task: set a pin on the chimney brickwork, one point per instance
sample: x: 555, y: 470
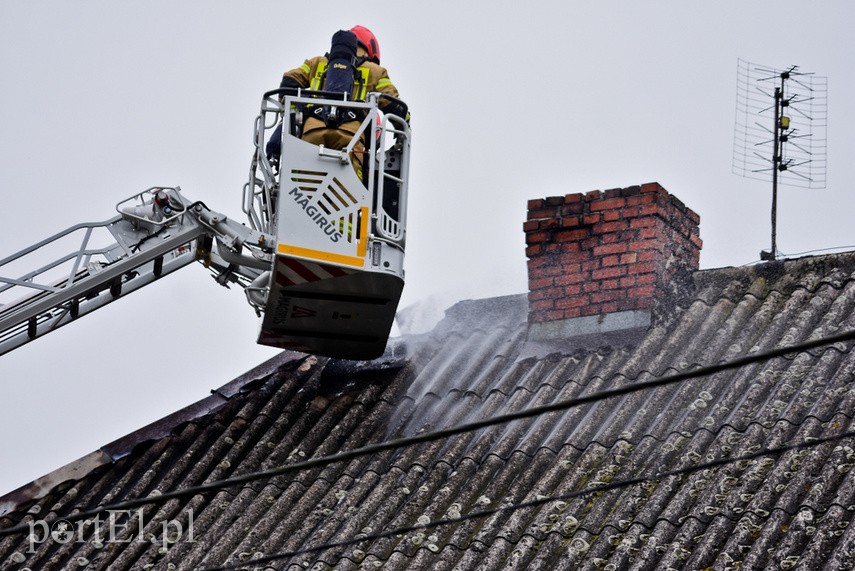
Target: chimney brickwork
x: 604, y: 253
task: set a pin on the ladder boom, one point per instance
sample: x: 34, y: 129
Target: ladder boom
x: 90, y: 265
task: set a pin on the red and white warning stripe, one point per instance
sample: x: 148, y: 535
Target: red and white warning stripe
x: 291, y: 272
x: 273, y: 340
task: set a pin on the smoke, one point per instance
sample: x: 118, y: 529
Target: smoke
x: 455, y: 351
x: 423, y: 316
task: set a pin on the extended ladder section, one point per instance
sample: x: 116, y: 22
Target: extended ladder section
x: 87, y: 266
x: 75, y: 272
x: 339, y: 215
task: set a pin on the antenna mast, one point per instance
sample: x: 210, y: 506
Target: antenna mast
x: 797, y: 135
x: 782, y: 124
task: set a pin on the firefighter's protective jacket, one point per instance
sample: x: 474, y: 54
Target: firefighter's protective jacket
x: 369, y: 77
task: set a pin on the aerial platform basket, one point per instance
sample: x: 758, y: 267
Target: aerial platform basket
x: 337, y: 274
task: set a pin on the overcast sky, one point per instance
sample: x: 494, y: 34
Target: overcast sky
x: 510, y: 101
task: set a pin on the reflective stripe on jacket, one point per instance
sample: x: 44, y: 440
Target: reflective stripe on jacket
x: 370, y: 77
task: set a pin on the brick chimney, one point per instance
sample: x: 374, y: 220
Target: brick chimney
x: 602, y: 262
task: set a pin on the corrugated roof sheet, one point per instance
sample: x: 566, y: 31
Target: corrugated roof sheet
x: 787, y: 511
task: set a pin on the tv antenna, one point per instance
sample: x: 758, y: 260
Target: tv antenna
x: 792, y: 152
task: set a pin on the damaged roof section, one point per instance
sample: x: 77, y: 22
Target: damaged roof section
x: 788, y: 510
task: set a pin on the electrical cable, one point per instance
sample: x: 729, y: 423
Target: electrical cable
x: 537, y: 502
x: 369, y: 449
x: 820, y: 250
x: 786, y: 256
x: 135, y: 247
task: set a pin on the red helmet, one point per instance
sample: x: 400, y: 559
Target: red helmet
x: 368, y: 40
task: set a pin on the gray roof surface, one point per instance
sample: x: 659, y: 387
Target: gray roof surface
x: 788, y: 511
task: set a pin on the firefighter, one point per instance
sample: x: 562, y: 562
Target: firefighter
x: 353, y: 61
